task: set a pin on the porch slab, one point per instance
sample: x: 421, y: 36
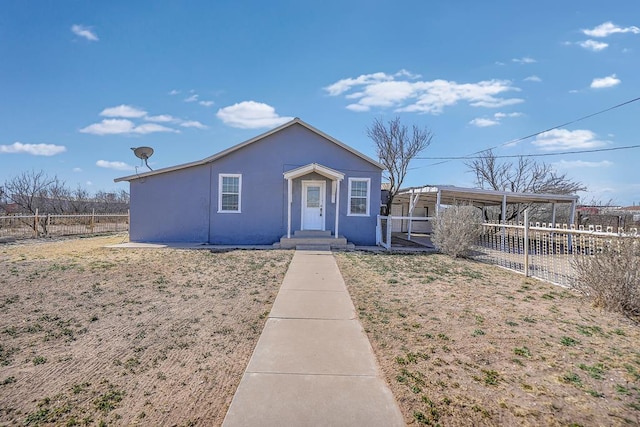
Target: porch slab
x: 294, y: 241
x: 300, y: 304
x: 274, y: 400
x: 320, y: 347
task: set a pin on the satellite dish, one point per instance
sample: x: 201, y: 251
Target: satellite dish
x: 143, y: 153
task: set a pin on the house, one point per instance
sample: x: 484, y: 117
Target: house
x: 289, y: 180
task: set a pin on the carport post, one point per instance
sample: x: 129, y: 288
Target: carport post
x: 413, y: 201
x: 572, y: 218
x: 526, y: 243
x: 438, y: 196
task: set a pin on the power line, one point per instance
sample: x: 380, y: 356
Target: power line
x: 514, y: 141
x: 627, y: 147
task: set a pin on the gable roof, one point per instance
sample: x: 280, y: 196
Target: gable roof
x: 248, y: 142
x: 314, y: 167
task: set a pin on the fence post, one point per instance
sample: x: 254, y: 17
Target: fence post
x: 93, y: 219
x: 48, y: 224
x: 526, y: 243
x: 389, y: 222
x: 35, y: 225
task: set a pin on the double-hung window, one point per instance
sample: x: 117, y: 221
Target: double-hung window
x: 359, y: 194
x: 229, y: 193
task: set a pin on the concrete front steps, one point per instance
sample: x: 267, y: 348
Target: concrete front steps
x: 314, y: 240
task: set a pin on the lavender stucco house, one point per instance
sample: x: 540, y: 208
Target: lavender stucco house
x: 289, y: 182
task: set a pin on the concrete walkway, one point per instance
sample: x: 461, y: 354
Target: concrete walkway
x: 313, y: 364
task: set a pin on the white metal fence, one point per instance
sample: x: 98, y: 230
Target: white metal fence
x: 23, y: 226
x: 541, y: 251
x: 537, y: 250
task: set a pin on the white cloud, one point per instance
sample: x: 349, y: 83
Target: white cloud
x: 85, y: 32
x: 608, y: 28
x: 174, y: 92
x: 344, y: 85
x: 357, y: 107
x: 524, y: 60
x: 193, y: 124
x: 593, y: 45
x: 89, y: 183
x: 251, y: 115
x: 206, y: 103
x: 123, y: 126
x: 604, y: 82
x: 497, y: 117
x: 77, y: 170
x: 33, y: 149
x: 121, y: 166
x: 491, y: 102
x: 192, y: 98
x: 505, y: 115
x: 398, y: 92
x: 161, y: 118
x: 152, y: 128
x: 483, y: 123
x: 563, y: 139
x: 532, y: 79
x: 123, y: 110
x: 109, y: 127
x: 573, y: 164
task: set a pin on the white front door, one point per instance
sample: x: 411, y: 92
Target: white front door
x: 313, y: 211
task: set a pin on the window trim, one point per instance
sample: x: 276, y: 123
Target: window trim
x: 349, y: 197
x: 221, y: 177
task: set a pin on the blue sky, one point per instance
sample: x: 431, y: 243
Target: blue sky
x: 82, y: 82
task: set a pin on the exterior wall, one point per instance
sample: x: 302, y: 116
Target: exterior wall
x: 182, y: 205
x: 171, y: 207
x: 422, y: 209
x: 263, y: 219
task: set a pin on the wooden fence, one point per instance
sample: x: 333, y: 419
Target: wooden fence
x: 27, y: 226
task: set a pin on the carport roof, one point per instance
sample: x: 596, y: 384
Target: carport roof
x: 450, y: 194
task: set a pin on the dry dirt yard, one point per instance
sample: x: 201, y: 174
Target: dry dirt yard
x: 95, y: 336
x: 463, y: 343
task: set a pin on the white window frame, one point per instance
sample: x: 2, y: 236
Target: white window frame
x: 221, y: 176
x: 349, y: 197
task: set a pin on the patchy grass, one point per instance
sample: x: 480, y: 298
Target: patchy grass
x: 97, y: 336
x: 479, y: 345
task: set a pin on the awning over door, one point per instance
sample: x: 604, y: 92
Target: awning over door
x: 335, y: 176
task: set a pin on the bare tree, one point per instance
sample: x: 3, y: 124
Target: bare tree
x: 396, y: 147
x: 524, y: 176
x: 29, y: 190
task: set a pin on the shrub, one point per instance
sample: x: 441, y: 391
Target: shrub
x: 611, y: 277
x: 457, y: 229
